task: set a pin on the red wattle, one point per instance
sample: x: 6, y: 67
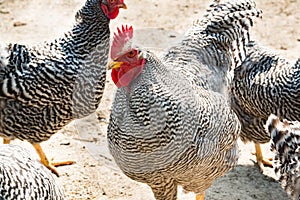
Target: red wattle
x: 115, y: 77
x: 113, y: 14
x: 125, y: 77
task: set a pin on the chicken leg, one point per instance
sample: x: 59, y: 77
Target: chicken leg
x: 46, y: 162
x: 200, y: 196
x: 44, y: 159
x: 259, y: 158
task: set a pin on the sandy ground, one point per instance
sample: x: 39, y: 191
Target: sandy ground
x: 158, y: 25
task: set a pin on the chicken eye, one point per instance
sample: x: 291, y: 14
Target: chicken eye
x: 112, y: 1
x: 131, y: 54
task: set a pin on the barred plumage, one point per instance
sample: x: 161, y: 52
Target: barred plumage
x: 285, y: 143
x: 44, y: 87
x: 173, y: 125
x: 264, y: 83
x: 22, y: 177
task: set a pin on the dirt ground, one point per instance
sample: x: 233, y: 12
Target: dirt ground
x: 158, y: 25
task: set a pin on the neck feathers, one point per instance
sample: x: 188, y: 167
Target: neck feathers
x: 91, y: 12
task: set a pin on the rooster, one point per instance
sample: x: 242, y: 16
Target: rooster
x: 44, y: 87
x: 285, y: 143
x: 171, y: 123
x: 264, y: 83
x: 22, y: 177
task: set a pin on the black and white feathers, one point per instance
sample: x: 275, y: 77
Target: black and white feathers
x: 174, y: 126
x: 285, y: 143
x: 263, y: 84
x: 22, y: 177
x: 44, y: 87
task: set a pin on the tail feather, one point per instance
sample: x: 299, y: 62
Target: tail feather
x: 297, y: 62
x: 229, y: 23
x: 221, y: 17
x: 285, y: 141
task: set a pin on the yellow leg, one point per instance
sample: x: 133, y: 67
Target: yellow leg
x: 259, y: 158
x: 6, y: 141
x: 46, y: 162
x: 200, y: 196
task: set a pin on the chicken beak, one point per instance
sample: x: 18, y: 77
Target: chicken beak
x: 122, y: 5
x: 114, y: 65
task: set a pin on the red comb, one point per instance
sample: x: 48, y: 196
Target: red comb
x: 120, y: 40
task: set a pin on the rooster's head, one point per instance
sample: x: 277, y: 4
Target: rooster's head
x: 127, y: 62
x: 111, y: 7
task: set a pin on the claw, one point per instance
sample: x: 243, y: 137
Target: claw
x: 45, y: 161
x: 261, y: 162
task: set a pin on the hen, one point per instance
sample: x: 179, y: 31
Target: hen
x: 285, y: 143
x: 22, y: 177
x: 171, y: 124
x: 44, y: 87
x: 263, y: 84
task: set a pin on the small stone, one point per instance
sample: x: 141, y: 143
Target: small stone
x: 283, y: 48
x: 4, y: 11
x: 65, y: 143
x: 18, y: 23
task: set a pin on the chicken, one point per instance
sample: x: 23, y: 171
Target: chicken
x: 171, y: 123
x: 285, y: 143
x: 263, y: 84
x: 22, y: 177
x: 44, y: 87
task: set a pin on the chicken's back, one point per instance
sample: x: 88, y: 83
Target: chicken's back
x: 264, y: 83
x: 22, y: 177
